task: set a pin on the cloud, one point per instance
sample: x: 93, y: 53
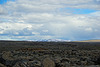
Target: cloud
x: 2, y: 10
x: 88, y: 29
x: 1, y: 32
x: 43, y: 19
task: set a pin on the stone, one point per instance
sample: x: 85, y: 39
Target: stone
x: 34, y: 63
x: 20, y: 64
x: 2, y: 65
x: 47, y: 62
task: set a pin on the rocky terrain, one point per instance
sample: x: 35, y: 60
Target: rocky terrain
x: 47, y: 54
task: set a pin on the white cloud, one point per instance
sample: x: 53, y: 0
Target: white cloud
x: 1, y: 32
x: 45, y: 30
x: 88, y: 29
x: 35, y: 33
x: 16, y: 33
x: 97, y: 13
x: 2, y: 10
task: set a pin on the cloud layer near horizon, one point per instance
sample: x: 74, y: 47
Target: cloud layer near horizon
x: 49, y: 19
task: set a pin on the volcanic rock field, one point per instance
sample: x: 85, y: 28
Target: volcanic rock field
x: 49, y: 54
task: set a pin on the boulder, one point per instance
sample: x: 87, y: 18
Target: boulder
x: 8, y: 58
x: 2, y: 65
x: 47, y: 62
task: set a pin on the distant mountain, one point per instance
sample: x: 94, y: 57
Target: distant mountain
x: 54, y: 40
x: 44, y: 40
x: 58, y: 40
x: 88, y: 41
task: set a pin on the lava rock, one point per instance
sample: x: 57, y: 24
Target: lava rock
x: 47, y: 62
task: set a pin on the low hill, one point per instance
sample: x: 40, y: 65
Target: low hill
x: 88, y: 41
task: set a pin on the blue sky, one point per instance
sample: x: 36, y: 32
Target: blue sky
x: 49, y: 19
x: 78, y: 10
x: 4, y: 1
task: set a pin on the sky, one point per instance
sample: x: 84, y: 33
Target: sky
x: 49, y: 19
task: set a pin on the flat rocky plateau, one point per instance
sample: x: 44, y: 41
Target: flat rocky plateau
x: 49, y: 54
